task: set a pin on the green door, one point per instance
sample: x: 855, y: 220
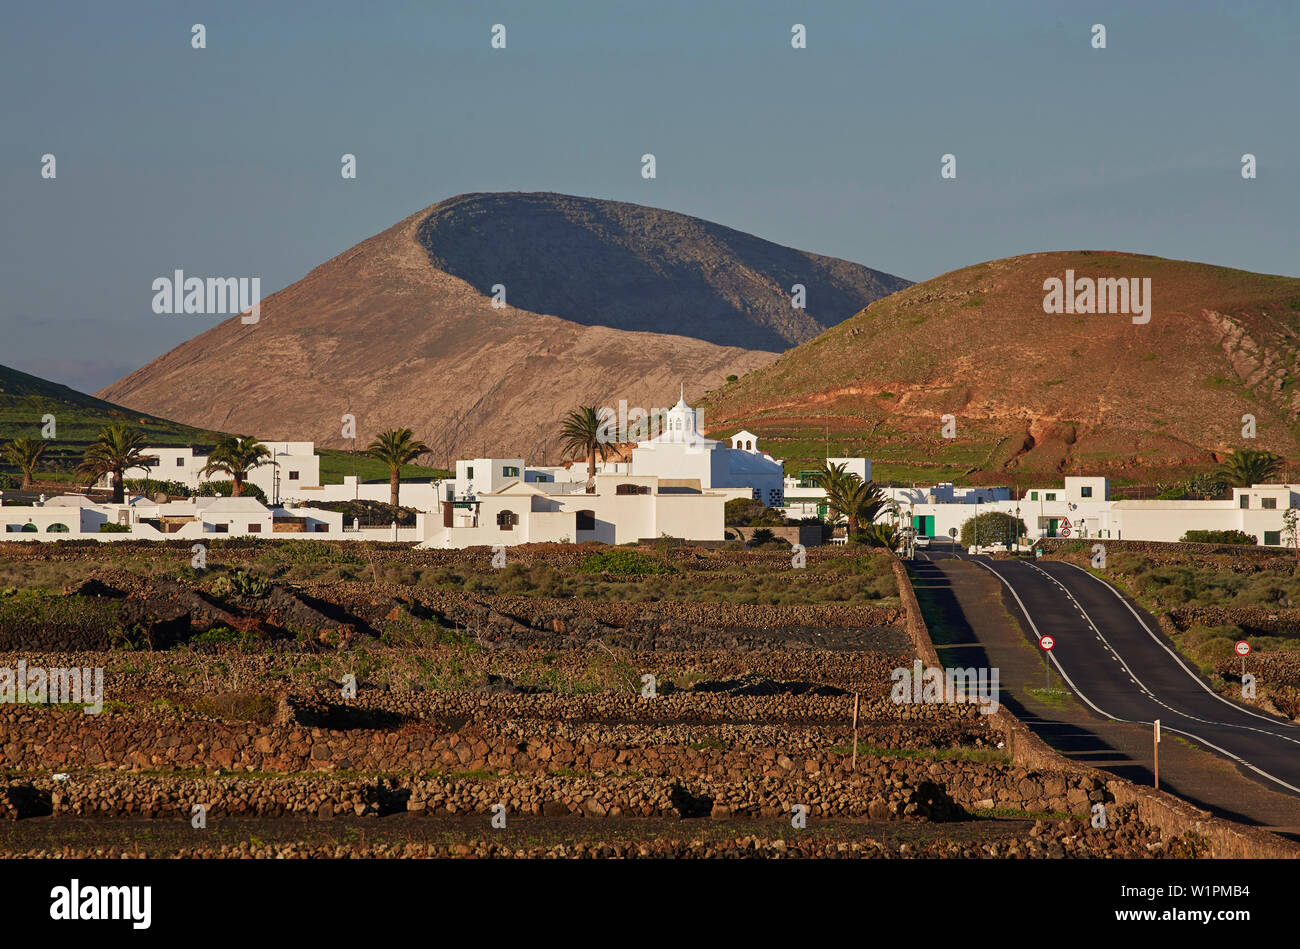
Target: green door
x: 1052, y: 522
x: 923, y: 524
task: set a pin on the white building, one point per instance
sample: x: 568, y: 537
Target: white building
x: 78, y: 518
x: 623, y: 509
x: 292, y: 465
x: 1079, y: 509
x: 680, y: 456
x: 803, y: 493
x: 1257, y: 510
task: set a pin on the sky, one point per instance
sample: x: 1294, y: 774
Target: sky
x: 225, y: 161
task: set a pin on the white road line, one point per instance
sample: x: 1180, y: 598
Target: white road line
x: 1115, y: 718
x: 1178, y: 659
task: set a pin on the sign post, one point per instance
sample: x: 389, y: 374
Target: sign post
x: 1156, y: 746
x: 1243, y: 650
x: 1047, y: 643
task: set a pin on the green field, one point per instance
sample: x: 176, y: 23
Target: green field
x: 335, y: 465
x: 25, y: 400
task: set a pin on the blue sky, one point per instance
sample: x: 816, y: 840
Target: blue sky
x: 225, y: 161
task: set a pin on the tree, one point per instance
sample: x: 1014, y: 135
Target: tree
x: 747, y: 512
x: 236, y: 456
x: 396, y: 447
x: 113, y: 451
x: 581, y: 434
x: 849, y: 497
x: 25, y: 454
x: 1292, y: 529
x: 1247, y: 466
x: 882, y: 535
x: 994, y: 526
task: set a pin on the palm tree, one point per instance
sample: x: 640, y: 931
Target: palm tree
x: 848, y: 496
x: 395, y: 448
x: 1247, y: 466
x: 582, y: 438
x: 236, y: 456
x: 116, y: 449
x: 882, y: 535
x: 24, y: 454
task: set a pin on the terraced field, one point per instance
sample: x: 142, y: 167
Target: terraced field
x: 356, y: 700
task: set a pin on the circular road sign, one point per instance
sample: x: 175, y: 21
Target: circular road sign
x: 1243, y: 648
x: 1047, y: 642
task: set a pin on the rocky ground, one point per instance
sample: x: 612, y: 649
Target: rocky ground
x: 518, y: 722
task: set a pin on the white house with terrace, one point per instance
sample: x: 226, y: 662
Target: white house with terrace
x: 622, y: 509
x: 139, y: 518
x: 292, y: 466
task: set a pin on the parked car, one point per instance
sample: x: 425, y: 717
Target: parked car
x: 922, y: 540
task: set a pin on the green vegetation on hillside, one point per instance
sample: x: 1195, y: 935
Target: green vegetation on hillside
x: 335, y: 465
x: 26, y: 400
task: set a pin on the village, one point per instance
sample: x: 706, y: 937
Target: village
x: 675, y: 484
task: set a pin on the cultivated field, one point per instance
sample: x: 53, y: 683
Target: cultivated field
x: 518, y: 693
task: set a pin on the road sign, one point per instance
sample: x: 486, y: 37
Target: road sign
x: 1243, y: 648
x: 1047, y: 642
x: 1065, y: 532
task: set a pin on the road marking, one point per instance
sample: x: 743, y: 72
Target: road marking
x: 1197, y: 679
x: 1115, y: 718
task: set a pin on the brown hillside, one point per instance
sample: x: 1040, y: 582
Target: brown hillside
x: 400, y: 329
x: 1037, y: 394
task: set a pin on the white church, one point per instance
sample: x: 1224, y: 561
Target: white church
x: 675, y: 484
x: 681, y: 453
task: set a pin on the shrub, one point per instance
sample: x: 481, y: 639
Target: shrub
x: 226, y: 489
x: 1218, y: 537
x: 240, y: 706
x: 994, y: 528
x: 152, y: 487
x: 746, y: 512
x: 108, y: 527
x: 9, y: 482
x: 242, y: 583
x: 623, y: 563
x: 370, y: 513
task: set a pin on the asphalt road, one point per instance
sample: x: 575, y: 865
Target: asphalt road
x: 1112, y: 655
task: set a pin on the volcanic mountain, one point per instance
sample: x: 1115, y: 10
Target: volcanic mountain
x: 606, y: 301
x: 1033, y: 394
